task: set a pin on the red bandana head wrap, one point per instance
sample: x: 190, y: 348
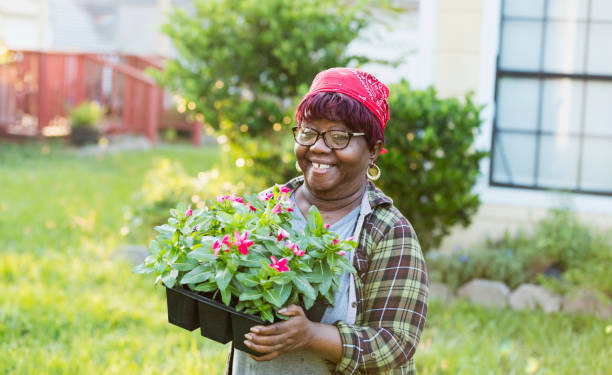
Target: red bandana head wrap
x: 357, y: 84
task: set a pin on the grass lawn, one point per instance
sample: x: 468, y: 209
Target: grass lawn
x: 68, y: 307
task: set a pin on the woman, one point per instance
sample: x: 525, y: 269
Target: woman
x: 378, y: 315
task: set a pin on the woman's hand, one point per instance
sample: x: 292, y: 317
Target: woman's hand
x: 275, y: 339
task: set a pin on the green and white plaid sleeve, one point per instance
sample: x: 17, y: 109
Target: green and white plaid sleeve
x: 392, y: 299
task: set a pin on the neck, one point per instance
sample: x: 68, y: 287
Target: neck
x: 335, y: 204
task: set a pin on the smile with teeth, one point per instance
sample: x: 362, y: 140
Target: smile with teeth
x: 321, y: 166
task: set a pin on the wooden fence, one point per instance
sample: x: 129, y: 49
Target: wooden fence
x: 38, y: 88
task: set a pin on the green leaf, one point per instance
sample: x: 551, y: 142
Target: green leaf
x: 268, y: 316
x: 224, y: 217
x: 326, y: 280
x: 316, y: 276
x: 202, y: 254
x: 250, y: 294
x: 170, y: 279
x: 185, y: 264
x: 247, y: 280
x: 197, y: 275
x: 304, y: 286
x: 206, y: 287
x: 308, y: 302
x: 277, y: 295
x: 223, y: 278
x: 283, y: 277
x: 304, y: 267
x: 141, y: 268
x: 226, y: 296
x: 154, y: 247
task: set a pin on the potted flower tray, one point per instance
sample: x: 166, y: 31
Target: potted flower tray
x: 218, y: 322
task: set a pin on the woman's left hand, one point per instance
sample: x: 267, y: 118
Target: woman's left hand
x: 281, y: 337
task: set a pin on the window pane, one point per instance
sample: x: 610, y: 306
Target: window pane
x: 598, y: 103
x: 558, y: 166
x: 520, y: 45
x: 517, y: 103
x: 513, y: 162
x: 568, y: 9
x: 561, y: 105
x: 596, y: 171
x: 564, y: 47
x: 524, y: 8
x: 601, y: 10
x: 599, y: 59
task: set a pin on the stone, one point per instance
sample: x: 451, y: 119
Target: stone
x: 134, y: 254
x: 440, y: 292
x: 485, y: 292
x: 530, y: 297
x: 587, y: 302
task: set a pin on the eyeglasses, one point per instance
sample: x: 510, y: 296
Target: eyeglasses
x: 334, y: 139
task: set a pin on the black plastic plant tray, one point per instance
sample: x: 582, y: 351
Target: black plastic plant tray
x: 182, y: 309
x: 217, y: 321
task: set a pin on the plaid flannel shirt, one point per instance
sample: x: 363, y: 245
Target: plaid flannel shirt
x: 391, y: 288
x: 392, y: 293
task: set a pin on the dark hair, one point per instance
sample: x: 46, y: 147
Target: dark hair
x: 334, y: 106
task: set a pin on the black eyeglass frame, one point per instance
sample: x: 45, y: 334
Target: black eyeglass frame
x: 322, y: 134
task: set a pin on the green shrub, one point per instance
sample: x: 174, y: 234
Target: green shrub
x: 560, y: 253
x: 462, y: 266
x: 243, y: 65
x: 167, y: 184
x: 87, y: 113
x: 432, y: 165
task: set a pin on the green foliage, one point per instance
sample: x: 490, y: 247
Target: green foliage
x: 432, y: 165
x: 167, y: 184
x: 244, y: 64
x: 226, y: 247
x: 87, y: 113
x: 459, y: 267
x: 559, y: 243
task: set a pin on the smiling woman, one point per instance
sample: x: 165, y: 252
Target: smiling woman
x: 377, y: 318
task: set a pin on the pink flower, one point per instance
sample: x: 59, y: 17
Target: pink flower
x: 334, y: 241
x: 226, y: 241
x: 277, y: 209
x: 282, y: 234
x: 341, y: 252
x: 234, y: 198
x: 250, y: 206
x: 265, y: 197
x: 280, y: 266
x: 189, y: 212
x: 285, y: 190
x: 295, y: 248
x: 222, y: 198
x: 326, y: 226
x: 242, y: 243
x: 216, y: 247
x: 350, y: 238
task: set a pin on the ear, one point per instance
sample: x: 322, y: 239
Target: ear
x: 375, y: 151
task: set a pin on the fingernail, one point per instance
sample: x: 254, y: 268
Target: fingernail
x: 248, y: 336
x: 247, y: 343
x: 282, y: 311
x: 255, y: 330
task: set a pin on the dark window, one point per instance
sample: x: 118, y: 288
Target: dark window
x: 553, y: 121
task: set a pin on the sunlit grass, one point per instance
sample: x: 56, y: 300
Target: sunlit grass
x: 67, y: 306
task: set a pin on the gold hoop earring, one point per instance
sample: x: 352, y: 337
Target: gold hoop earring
x: 297, y: 167
x: 376, y: 169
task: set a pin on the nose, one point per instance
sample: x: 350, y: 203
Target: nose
x: 320, y: 146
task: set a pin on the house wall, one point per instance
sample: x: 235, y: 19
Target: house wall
x: 25, y: 24
x: 466, y: 37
